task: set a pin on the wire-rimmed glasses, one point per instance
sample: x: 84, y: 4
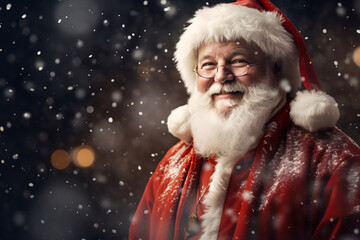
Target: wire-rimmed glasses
x: 238, y: 69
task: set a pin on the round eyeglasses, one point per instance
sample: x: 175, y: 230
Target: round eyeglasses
x: 238, y: 69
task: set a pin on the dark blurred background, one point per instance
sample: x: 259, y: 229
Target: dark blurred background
x: 85, y: 90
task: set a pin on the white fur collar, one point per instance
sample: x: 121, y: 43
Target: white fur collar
x: 215, y: 198
x: 311, y: 110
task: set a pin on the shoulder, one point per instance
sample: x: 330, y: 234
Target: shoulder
x: 176, y: 155
x: 330, y: 140
x: 168, y: 167
x: 328, y: 147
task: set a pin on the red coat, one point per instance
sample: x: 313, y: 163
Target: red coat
x: 302, y: 185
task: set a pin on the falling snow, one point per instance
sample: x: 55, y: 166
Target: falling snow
x: 98, y: 83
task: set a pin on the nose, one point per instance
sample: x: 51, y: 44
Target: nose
x: 223, y: 74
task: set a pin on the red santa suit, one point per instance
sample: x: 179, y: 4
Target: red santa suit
x: 294, y: 185
x: 300, y: 182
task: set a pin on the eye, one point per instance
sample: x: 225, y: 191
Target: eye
x: 239, y: 63
x: 208, y: 65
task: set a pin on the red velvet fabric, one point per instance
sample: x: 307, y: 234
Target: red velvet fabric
x: 301, y: 185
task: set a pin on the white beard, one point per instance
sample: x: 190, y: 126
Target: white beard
x: 233, y: 133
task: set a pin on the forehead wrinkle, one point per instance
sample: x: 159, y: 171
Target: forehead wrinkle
x: 206, y: 57
x: 239, y: 51
x: 233, y: 53
x: 215, y: 51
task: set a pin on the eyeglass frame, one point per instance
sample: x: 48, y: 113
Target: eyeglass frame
x: 228, y: 65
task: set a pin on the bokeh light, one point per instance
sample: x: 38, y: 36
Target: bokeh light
x: 356, y: 56
x: 84, y: 156
x: 101, y: 74
x: 60, y: 159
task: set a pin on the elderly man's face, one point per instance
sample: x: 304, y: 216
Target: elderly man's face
x: 221, y: 53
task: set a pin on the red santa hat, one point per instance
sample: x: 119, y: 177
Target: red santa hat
x: 262, y: 23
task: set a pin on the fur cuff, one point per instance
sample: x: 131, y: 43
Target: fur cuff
x: 314, y: 110
x: 178, y: 124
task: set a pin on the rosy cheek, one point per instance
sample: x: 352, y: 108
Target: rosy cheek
x: 203, y: 84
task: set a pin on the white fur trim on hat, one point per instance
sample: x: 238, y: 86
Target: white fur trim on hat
x: 229, y: 22
x: 178, y: 124
x: 314, y: 110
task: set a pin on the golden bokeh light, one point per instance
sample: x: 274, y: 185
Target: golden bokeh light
x: 84, y: 156
x: 60, y: 159
x: 356, y: 56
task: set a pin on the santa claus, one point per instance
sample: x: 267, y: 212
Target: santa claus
x: 257, y: 159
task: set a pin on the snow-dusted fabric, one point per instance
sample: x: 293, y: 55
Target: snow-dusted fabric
x: 301, y: 185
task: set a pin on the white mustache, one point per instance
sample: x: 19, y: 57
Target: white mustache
x: 217, y: 88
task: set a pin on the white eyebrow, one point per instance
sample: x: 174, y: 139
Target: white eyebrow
x: 232, y: 54
x: 240, y: 51
x: 205, y: 57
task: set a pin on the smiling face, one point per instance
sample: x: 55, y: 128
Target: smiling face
x: 226, y: 89
x: 230, y: 107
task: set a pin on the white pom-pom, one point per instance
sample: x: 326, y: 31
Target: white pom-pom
x: 314, y: 110
x: 178, y: 124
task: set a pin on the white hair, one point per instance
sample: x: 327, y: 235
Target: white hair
x: 229, y: 22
